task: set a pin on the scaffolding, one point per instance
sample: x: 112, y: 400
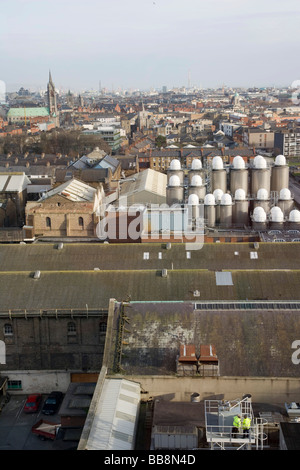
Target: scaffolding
x: 219, y: 415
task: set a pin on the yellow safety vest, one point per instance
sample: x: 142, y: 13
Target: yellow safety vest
x: 246, y: 423
x: 236, y: 422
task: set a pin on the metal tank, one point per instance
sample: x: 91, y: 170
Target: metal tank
x: 196, y: 169
x: 276, y: 218
x: 218, y: 175
x: 226, y: 211
x: 238, y: 175
x: 194, y: 209
x: 259, y: 219
x: 293, y: 222
x: 175, y: 169
x: 260, y: 175
x: 279, y: 174
x: 240, y: 209
x: 285, y: 201
x: 210, y: 210
x: 262, y: 200
x: 175, y: 191
x: 218, y: 193
x: 197, y: 187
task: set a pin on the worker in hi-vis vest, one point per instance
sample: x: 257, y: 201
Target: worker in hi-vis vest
x: 246, y: 425
x: 236, y: 425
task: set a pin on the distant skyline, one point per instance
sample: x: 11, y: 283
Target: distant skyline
x: 144, y: 44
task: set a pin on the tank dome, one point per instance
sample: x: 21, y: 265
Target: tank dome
x: 175, y: 165
x: 174, y: 180
x: 217, y: 163
x: 196, y: 180
x: 240, y: 194
x: 226, y: 200
x: 259, y: 214
x: 294, y: 216
x: 280, y: 160
x: 262, y: 194
x: 193, y: 200
x: 218, y: 193
x: 196, y: 164
x: 260, y: 162
x: 285, y: 194
x: 276, y: 214
x: 238, y: 162
x: 209, y: 200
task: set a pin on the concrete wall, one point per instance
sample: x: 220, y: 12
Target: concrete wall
x: 39, y: 381
x: 263, y: 390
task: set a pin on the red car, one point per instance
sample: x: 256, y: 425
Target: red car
x: 32, y: 403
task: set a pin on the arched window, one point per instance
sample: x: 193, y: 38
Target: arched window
x: 71, y: 328
x: 80, y: 221
x: 48, y: 222
x: 8, y: 329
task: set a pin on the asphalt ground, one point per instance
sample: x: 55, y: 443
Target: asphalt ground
x: 16, y: 428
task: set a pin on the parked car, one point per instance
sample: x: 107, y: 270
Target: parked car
x: 32, y: 403
x: 52, y: 403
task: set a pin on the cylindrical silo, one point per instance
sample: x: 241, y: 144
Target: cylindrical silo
x: 293, y: 222
x: 193, y: 208
x: 260, y: 175
x: 276, y: 218
x: 175, y: 191
x: 262, y: 200
x: 218, y: 175
x: 226, y: 211
x: 240, y: 209
x: 259, y: 219
x: 197, y: 187
x: 196, y: 169
x: 218, y: 193
x: 238, y: 175
x: 210, y: 210
x: 175, y: 169
x: 285, y: 201
x: 279, y: 174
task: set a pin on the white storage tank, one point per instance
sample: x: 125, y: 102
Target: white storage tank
x: 276, y: 218
x: 240, y: 209
x: 285, y: 201
x: 262, y: 199
x: 293, y: 222
x: 259, y: 219
x: 175, y: 191
x: 210, y: 210
x: 196, y: 169
x: 260, y: 175
x: 238, y: 175
x: 226, y: 211
x: 218, y: 193
x: 175, y: 169
x: 279, y: 174
x: 218, y: 175
x: 197, y: 187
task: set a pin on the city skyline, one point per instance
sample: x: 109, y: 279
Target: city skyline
x: 149, y: 44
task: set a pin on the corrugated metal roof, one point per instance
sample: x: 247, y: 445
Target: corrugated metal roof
x: 74, y: 190
x: 115, y: 417
x: 10, y: 182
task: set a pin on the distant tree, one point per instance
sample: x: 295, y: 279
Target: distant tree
x: 160, y: 141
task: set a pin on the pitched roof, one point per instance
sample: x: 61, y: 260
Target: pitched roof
x: 74, y: 190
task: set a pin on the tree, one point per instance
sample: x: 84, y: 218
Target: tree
x: 160, y: 141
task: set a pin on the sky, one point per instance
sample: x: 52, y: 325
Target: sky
x: 145, y: 44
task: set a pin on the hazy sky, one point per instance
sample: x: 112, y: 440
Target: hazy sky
x: 149, y: 43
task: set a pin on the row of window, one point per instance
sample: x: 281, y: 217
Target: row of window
x: 71, y: 328
x: 80, y: 222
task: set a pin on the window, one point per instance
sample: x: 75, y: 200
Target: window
x: 71, y: 328
x: 8, y: 329
x: 14, y: 385
x: 102, y: 327
x: 48, y: 222
x: 80, y: 221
